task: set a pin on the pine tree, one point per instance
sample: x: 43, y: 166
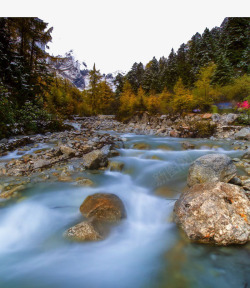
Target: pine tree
x: 119, y: 82
x: 135, y: 76
x: 150, y: 80
x: 183, y: 66
x: 193, y: 57
x: 223, y: 73
x: 171, y: 71
x: 235, y: 40
x: 206, y: 48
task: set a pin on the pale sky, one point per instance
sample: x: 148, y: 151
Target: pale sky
x: 116, y: 33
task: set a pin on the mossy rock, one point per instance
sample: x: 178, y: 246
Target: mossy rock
x: 141, y: 146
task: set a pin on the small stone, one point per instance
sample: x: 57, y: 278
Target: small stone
x: 84, y: 231
x: 85, y: 182
x: 116, y: 166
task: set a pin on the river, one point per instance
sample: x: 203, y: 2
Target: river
x: 146, y: 250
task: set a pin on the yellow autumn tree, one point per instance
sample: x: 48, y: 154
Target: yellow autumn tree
x: 153, y: 104
x: 238, y: 90
x: 141, y: 100
x: 204, y: 93
x: 128, y: 101
x: 166, y: 99
x: 183, y: 98
x: 106, y: 99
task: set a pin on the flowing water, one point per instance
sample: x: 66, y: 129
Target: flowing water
x: 146, y: 250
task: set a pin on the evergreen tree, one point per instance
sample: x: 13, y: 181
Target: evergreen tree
x: 119, y: 82
x: 135, y: 76
x: 193, y: 57
x: 150, y: 80
x: 235, y: 40
x: 171, y: 75
x: 223, y: 73
x: 206, y: 48
x: 183, y: 66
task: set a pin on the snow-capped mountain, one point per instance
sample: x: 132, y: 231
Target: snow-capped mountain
x: 69, y: 68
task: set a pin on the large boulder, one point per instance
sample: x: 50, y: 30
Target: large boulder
x: 103, y: 207
x: 216, y: 213
x: 95, y: 160
x: 211, y: 168
x: 229, y: 118
x: 243, y: 134
x: 84, y: 231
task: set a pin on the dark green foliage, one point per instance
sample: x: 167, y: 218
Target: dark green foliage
x: 235, y: 41
x: 226, y: 46
x: 24, y: 74
x: 223, y: 73
x: 30, y: 116
x: 150, y: 81
x: 135, y: 76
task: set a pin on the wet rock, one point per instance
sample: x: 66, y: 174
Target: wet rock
x: 246, y: 155
x: 243, y: 134
x: 236, y: 181
x: 64, y: 177
x: 141, y: 146
x: 41, y: 163
x: 11, y: 192
x: 164, y: 147
x: 210, y: 168
x: 216, y: 213
x: 247, y: 169
x: 114, y: 153
x: 106, y: 150
x: 116, y: 166
x: 174, y: 133
x: 188, y: 145
x: 216, y: 117
x: 84, y: 231
x: 95, y: 160
x: 229, y: 118
x: 104, y: 207
x: 206, y: 116
x: 67, y: 151
x: 85, y: 182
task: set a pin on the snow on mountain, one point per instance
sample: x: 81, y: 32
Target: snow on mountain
x: 69, y: 68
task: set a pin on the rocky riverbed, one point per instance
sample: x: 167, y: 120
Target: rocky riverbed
x: 90, y: 201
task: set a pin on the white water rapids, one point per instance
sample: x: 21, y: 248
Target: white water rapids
x: 142, y: 251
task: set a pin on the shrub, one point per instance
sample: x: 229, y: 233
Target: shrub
x: 202, y: 129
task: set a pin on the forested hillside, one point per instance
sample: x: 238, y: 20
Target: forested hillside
x: 208, y: 69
